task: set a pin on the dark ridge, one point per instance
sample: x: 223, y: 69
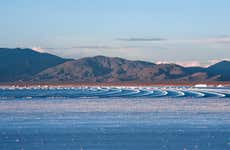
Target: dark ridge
x: 222, y: 68
x: 20, y: 64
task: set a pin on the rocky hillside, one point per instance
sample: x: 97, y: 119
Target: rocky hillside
x: 107, y: 69
x: 30, y: 66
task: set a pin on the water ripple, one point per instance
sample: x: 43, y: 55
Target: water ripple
x: 113, y: 92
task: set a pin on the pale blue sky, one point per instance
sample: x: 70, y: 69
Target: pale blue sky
x: 153, y: 30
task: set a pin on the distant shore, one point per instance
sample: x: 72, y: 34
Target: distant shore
x: 23, y: 84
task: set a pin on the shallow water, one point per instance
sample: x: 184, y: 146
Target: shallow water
x: 111, y: 92
x: 115, y: 118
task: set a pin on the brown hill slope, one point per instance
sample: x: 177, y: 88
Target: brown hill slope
x: 113, y: 69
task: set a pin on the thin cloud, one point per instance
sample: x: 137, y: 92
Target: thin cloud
x: 209, y: 40
x: 182, y: 63
x: 223, y: 39
x: 93, y: 47
x: 38, y: 49
x: 218, y: 40
x: 141, y: 39
x: 81, y: 47
x: 193, y: 63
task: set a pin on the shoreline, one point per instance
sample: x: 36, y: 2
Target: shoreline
x: 126, y: 84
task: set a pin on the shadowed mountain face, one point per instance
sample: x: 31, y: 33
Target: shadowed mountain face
x: 28, y: 65
x: 20, y: 64
x: 107, y: 69
x: 222, y: 68
x: 98, y: 69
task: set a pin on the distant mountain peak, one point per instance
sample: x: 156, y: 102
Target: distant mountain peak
x: 22, y: 63
x: 32, y: 66
x: 224, y: 62
x: 221, y: 68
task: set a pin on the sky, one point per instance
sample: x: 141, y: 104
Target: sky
x: 190, y: 33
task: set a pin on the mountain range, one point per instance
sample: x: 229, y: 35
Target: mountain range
x: 26, y: 65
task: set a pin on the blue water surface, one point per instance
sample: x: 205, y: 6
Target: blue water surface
x: 102, y: 118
